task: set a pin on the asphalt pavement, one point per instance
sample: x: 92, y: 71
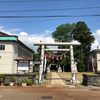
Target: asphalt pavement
x: 48, y: 93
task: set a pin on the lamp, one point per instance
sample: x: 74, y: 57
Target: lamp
x: 52, y: 57
x: 49, y: 56
x: 64, y: 56
x: 57, y: 58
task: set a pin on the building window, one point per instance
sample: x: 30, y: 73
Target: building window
x: 2, y: 47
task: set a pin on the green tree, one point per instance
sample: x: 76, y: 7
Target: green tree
x: 39, y: 50
x: 81, y: 66
x: 36, y: 56
x: 63, y: 33
x: 82, y: 34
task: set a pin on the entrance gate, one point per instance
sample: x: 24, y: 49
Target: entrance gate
x: 71, y: 44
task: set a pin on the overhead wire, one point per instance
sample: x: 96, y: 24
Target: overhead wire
x: 51, y: 9
x: 50, y: 16
x: 10, y: 1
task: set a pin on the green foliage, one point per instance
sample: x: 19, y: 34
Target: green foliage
x: 29, y: 81
x: 2, y: 75
x: 63, y: 33
x: 36, y: 56
x: 65, y: 63
x: 81, y: 67
x: 19, y: 82
x: 24, y: 79
x: 82, y: 34
x: 12, y: 78
x: 6, y: 82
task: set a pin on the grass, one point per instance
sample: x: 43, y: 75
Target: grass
x: 66, y: 76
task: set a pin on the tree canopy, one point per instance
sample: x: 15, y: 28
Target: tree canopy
x: 82, y: 34
x: 63, y: 33
x: 79, y: 32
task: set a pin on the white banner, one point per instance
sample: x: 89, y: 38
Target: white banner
x: 23, y: 65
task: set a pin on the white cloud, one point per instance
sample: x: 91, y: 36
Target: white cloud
x: 28, y: 39
x: 1, y: 27
x: 23, y: 34
x: 97, y: 40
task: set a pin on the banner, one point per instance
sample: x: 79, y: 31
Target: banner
x: 93, y: 65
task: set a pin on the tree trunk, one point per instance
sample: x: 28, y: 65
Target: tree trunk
x: 81, y: 52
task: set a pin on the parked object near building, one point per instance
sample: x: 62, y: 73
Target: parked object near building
x: 96, y: 55
x: 15, y: 56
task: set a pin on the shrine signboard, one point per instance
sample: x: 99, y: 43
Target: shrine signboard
x: 73, y: 68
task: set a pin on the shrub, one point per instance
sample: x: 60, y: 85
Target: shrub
x: 2, y: 75
x: 24, y: 79
x: 29, y: 81
x: 81, y: 67
x: 6, y: 82
x: 12, y: 78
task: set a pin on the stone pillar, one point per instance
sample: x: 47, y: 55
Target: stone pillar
x: 41, y: 66
x: 59, y: 69
x: 48, y: 69
x: 72, y: 62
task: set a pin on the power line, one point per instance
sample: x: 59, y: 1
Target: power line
x: 36, y: 21
x: 52, y: 9
x: 33, y: 1
x: 49, y: 16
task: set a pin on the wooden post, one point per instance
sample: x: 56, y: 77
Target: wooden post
x: 76, y: 78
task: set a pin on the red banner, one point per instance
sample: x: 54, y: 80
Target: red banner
x: 93, y: 65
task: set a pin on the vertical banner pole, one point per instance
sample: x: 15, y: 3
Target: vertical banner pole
x: 93, y: 65
x: 76, y: 78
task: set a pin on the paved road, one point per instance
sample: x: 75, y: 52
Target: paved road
x: 56, y: 80
x: 58, y: 93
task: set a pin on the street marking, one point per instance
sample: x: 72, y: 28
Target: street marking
x: 68, y: 94
x: 1, y: 96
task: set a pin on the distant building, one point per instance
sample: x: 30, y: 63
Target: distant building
x: 15, y: 56
x: 96, y: 55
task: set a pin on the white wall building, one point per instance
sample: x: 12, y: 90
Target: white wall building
x: 96, y: 55
x: 15, y: 57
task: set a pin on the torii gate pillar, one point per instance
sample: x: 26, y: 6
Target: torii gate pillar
x: 72, y: 62
x: 41, y: 65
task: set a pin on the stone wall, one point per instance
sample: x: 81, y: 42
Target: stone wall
x: 19, y: 76
x: 91, y: 80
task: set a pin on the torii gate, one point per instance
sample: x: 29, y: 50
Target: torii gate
x: 71, y: 44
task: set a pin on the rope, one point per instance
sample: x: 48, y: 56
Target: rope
x: 57, y: 55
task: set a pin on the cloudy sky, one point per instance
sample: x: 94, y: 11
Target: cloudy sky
x: 35, y: 20
x: 45, y: 36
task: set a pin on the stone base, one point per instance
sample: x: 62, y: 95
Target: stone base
x: 91, y: 80
x: 74, y: 81
x: 48, y: 70
x: 59, y: 69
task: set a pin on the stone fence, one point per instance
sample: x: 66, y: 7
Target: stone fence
x: 20, y: 76
x: 91, y: 80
